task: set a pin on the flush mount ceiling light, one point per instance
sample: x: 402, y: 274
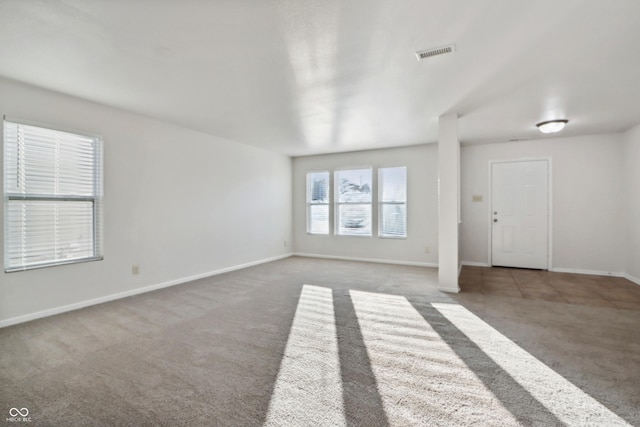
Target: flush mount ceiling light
x: 552, y: 126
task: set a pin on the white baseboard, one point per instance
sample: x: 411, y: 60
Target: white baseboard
x: 632, y: 279
x: 449, y: 290
x: 379, y: 261
x: 559, y: 270
x: 112, y: 297
x: 589, y: 272
x: 475, y: 264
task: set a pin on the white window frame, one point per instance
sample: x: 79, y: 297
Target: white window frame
x: 17, y: 195
x: 382, y: 203
x: 311, y: 203
x: 337, y: 203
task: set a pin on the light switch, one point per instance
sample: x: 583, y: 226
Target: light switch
x: 476, y: 198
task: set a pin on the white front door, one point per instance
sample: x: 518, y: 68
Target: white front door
x: 520, y: 214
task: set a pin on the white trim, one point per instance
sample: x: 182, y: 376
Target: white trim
x: 112, y: 297
x: 475, y: 264
x: 631, y: 278
x: 571, y: 270
x: 490, y: 213
x: 549, y: 161
x: 378, y: 261
x: 588, y: 272
x: 449, y: 290
x: 550, y: 212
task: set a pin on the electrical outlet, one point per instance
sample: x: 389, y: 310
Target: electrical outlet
x: 285, y: 243
x: 427, y: 249
x: 135, y: 269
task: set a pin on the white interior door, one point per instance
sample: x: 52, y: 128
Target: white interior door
x: 520, y: 214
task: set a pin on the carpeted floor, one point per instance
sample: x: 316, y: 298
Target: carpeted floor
x: 302, y: 342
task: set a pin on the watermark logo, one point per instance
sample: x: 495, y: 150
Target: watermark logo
x: 18, y: 415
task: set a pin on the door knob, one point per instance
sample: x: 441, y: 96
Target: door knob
x: 495, y: 220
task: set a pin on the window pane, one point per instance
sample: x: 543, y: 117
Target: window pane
x: 354, y: 220
x: 318, y: 187
x: 394, y: 219
x: 44, y: 161
x: 393, y: 198
x: 53, y: 190
x: 48, y: 231
x: 318, y: 202
x: 353, y: 186
x: 393, y: 184
x: 319, y: 219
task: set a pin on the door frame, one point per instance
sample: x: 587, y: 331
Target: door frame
x: 549, y: 206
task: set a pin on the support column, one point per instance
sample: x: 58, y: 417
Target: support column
x: 448, y: 202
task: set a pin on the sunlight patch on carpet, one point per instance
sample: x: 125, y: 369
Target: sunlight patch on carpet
x: 432, y: 364
x: 421, y: 380
x: 566, y: 401
x: 309, y: 387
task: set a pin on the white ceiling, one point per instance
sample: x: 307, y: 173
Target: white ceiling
x: 316, y: 76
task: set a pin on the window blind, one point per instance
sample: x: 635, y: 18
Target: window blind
x: 318, y: 202
x: 53, y: 196
x: 353, y: 202
x: 392, y: 184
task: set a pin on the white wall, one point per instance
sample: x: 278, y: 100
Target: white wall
x: 177, y: 202
x: 632, y: 202
x: 422, y: 206
x: 587, y: 188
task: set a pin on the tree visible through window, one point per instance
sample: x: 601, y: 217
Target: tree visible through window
x: 353, y: 202
x: 52, y: 197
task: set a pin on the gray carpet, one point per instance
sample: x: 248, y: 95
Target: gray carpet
x: 302, y: 342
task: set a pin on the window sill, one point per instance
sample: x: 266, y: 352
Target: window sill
x: 52, y: 264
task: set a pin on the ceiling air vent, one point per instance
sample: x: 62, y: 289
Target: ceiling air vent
x: 424, y: 54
